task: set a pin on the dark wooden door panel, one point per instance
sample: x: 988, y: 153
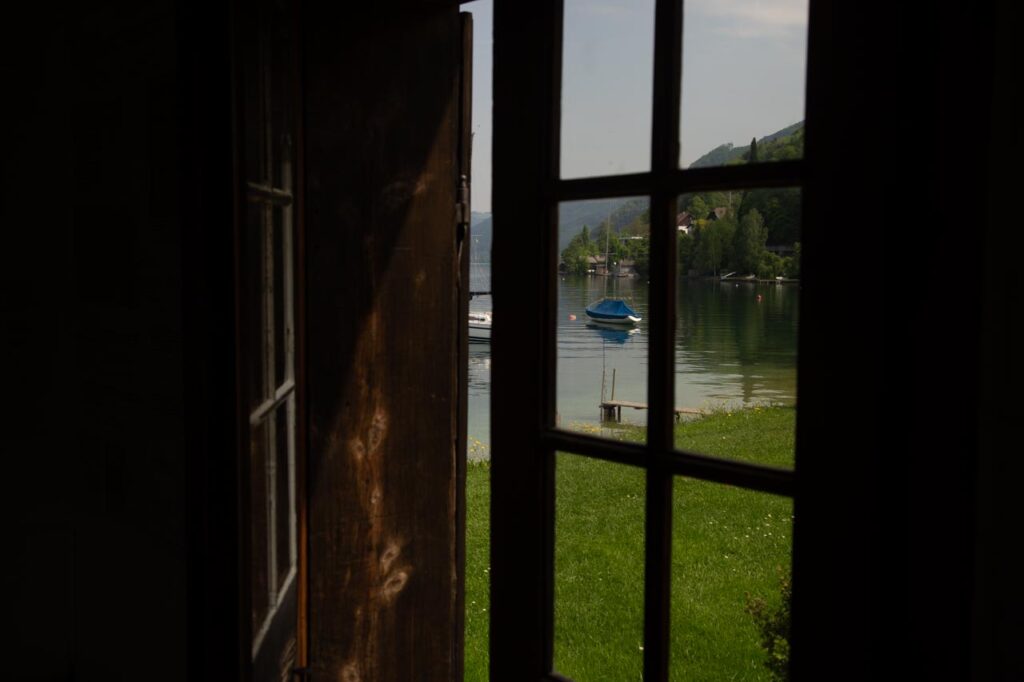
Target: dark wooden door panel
x: 381, y: 142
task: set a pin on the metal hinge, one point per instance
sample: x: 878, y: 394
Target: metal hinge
x: 462, y: 202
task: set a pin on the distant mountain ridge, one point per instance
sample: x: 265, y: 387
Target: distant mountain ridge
x: 724, y: 154
x: 573, y: 215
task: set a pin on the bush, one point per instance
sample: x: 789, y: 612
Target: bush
x: 770, y: 266
x: 773, y: 624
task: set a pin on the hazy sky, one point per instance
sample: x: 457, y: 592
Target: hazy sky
x: 744, y: 64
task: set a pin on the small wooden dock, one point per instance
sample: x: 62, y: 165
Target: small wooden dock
x: 611, y: 410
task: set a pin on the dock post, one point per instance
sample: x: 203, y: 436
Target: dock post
x: 613, y: 383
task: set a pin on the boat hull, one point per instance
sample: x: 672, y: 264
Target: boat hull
x: 480, y: 327
x: 627, y: 321
x: 479, y: 332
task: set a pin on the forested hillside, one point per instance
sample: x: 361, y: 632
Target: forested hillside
x: 738, y: 240
x: 726, y: 231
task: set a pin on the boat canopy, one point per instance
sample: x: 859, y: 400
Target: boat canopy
x: 612, y: 308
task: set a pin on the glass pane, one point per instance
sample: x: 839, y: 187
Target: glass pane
x: 259, y: 525
x: 731, y: 558
x: 607, y: 75
x: 599, y: 569
x: 253, y: 97
x: 744, y: 66
x: 281, y: 331
x: 602, y: 317
x: 737, y: 319
x: 284, y: 488
x: 254, y: 306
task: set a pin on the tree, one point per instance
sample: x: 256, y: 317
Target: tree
x: 749, y: 243
x: 684, y: 253
x: 713, y: 246
x: 792, y: 269
x: 780, y: 209
x: 698, y: 208
x: 753, y: 150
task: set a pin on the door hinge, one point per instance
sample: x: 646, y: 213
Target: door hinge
x: 462, y: 202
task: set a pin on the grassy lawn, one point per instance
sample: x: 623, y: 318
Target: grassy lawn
x: 727, y: 543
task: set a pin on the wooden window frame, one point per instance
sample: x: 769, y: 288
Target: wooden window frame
x: 525, y: 438
x: 258, y: 136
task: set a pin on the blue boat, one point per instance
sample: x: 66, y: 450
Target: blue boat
x: 612, y: 311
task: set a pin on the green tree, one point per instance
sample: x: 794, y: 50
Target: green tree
x: 713, y: 247
x: 684, y: 251
x: 749, y: 243
x: 792, y: 269
x: 698, y: 208
x: 752, y: 155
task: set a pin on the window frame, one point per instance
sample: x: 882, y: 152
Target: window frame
x: 268, y: 186
x: 525, y: 437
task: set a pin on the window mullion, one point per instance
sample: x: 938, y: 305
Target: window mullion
x: 661, y: 370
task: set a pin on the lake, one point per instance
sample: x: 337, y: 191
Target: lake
x: 732, y: 349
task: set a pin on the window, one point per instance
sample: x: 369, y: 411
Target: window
x: 528, y: 191
x: 267, y: 245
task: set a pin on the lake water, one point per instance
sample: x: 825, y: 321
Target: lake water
x: 732, y: 349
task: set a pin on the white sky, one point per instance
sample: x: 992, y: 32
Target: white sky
x: 744, y: 64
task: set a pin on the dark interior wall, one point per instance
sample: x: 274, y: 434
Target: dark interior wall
x: 899, y: 466
x: 93, y: 440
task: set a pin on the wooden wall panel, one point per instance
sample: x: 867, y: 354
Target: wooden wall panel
x: 380, y: 101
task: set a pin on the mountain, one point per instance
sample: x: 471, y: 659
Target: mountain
x: 774, y: 147
x: 481, y: 228
x: 572, y: 216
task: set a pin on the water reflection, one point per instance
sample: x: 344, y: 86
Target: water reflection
x: 612, y: 333
x: 736, y: 343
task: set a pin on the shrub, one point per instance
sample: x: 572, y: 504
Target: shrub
x: 773, y: 624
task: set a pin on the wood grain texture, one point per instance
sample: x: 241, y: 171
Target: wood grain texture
x: 381, y: 114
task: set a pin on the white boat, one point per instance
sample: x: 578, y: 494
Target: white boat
x: 479, y: 326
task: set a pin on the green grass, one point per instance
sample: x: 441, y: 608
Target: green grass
x: 727, y: 543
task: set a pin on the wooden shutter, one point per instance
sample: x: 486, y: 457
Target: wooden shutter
x: 381, y: 116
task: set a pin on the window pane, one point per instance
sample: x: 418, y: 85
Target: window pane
x: 259, y: 525
x: 602, y: 317
x: 744, y: 65
x: 599, y: 569
x: 730, y: 574
x: 607, y: 72
x: 284, y: 488
x: 254, y: 305
x: 737, y: 319
x: 282, y: 333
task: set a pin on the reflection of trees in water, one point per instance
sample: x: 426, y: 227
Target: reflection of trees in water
x: 722, y: 328
x: 721, y: 323
x: 585, y: 289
